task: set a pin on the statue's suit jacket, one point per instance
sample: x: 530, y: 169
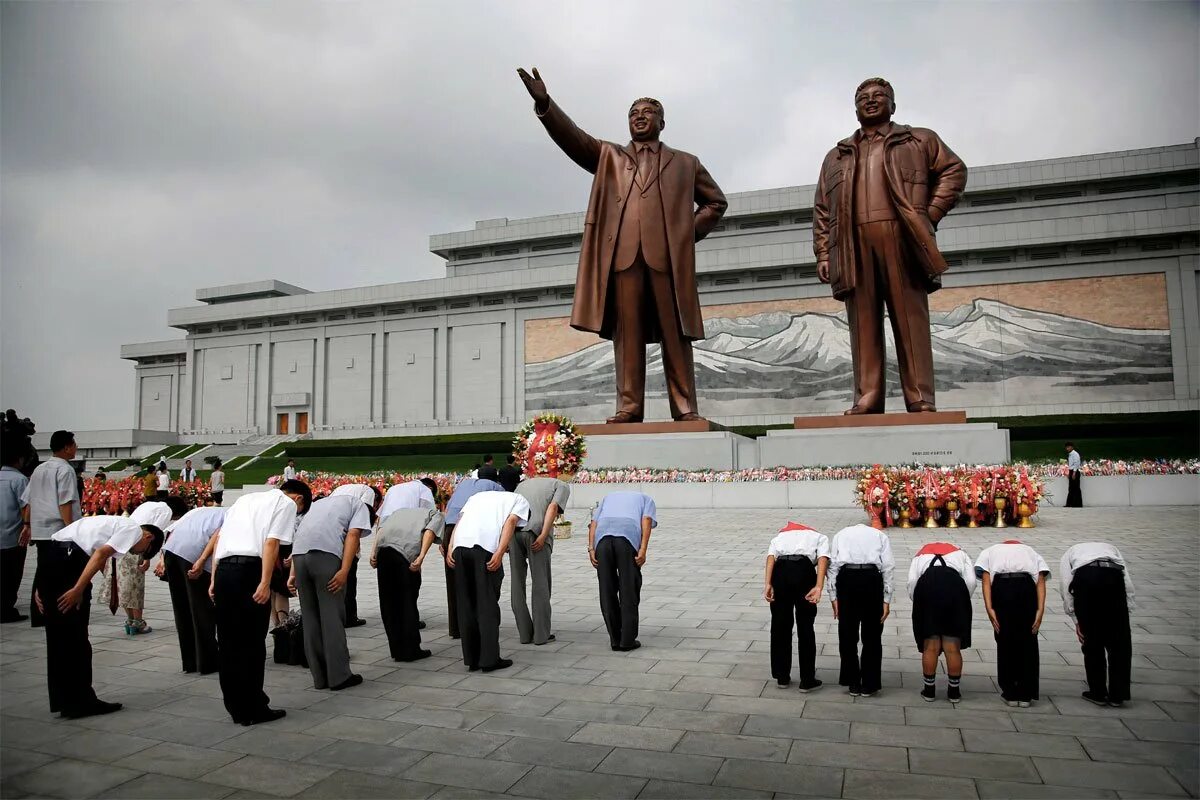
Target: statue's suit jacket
x: 684, y: 184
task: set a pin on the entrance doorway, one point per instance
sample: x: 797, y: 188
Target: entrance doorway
x: 302, y: 423
x: 281, y: 423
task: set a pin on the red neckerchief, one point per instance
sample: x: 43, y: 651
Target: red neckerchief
x: 937, y: 549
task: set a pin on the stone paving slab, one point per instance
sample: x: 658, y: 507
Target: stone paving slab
x: 692, y: 714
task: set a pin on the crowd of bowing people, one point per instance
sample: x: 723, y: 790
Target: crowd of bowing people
x: 221, y: 566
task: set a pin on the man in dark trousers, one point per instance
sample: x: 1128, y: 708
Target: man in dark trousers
x: 1074, y: 464
x: 246, y: 549
x: 510, y: 474
x: 636, y: 282
x: 14, y: 528
x: 861, y: 567
x: 464, y: 491
x: 476, y: 554
x: 1097, y: 593
x: 187, y: 565
x: 618, y: 538
x: 64, y: 595
x: 51, y: 502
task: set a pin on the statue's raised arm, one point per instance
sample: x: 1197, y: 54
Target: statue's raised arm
x: 582, y: 148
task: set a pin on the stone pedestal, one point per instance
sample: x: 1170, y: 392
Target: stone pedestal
x: 713, y: 449
x: 889, y: 439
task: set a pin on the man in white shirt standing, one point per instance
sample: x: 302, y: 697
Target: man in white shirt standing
x: 246, y: 549
x: 797, y: 560
x: 73, y: 556
x: 289, y: 471
x: 50, y: 502
x: 1074, y: 464
x: 860, y: 577
x: 476, y: 554
x: 1097, y: 593
x: 188, y: 473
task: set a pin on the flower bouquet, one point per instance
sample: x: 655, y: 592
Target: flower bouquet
x: 905, y: 497
x: 874, y: 494
x: 549, y: 446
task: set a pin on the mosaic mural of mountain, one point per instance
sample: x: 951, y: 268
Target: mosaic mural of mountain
x: 785, y: 363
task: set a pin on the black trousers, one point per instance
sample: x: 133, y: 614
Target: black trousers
x: 241, y: 636
x: 12, y: 568
x: 1014, y: 599
x: 860, y: 612
x: 195, y: 616
x: 1074, y: 492
x: 478, y: 605
x: 1103, y: 614
x: 620, y: 589
x: 399, y: 588
x: 68, y: 651
x: 352, y: 593
x: 791, y: 580
x: 451, y: 592
x: 36, y: 618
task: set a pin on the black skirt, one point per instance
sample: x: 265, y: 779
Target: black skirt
x: 941, y: 607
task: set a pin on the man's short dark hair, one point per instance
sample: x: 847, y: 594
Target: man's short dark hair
x: 657, y: 105
x: 378, y: 495
x: 1069, y: 444
x: 511, y: 459
x: 487, y: 459
x: 177, y: 504
x: 431, y: 484
x: 155, y: 544
x: 301, y: 488
x: 60, y: 440
x: 877, y: 82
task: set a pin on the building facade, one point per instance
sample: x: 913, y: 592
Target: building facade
x: 1072, y: 288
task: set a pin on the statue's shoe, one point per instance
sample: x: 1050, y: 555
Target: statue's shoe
x: 921, y: 406
x: 623, y: 417
x: 692, y: 417
x: 853, y: 410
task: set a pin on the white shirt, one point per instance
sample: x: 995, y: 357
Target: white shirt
x: 153, y: 513
x: 956, y: 560
x: 187, y: 474
x: 797, y: 542
x: 191, y: 532
x: 483, y: 519
x: 360, y: 490
x: 289, y: 473
x: 253, y: 519
x: 1008, y: 557
x: 1073, y: 460
x: 91, y: 533
x: 164, y: 481
x: 412, y: 494
x: 217, y: 480
x: 861, y: 544
x: 1080, y: 556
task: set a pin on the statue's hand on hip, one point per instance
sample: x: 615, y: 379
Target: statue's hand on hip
x: 536, y: 87
x: 823, y: 271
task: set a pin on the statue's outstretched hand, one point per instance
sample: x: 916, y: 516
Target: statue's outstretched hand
x: 535, y: 86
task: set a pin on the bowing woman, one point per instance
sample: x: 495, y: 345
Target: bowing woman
x: 941, y: 580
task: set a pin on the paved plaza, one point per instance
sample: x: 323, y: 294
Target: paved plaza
x: 694, y: 713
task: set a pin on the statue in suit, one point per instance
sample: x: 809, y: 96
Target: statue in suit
x: 880, y: 196
x: 636, y: 283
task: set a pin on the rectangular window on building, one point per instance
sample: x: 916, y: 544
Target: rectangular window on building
x: 506, y: 251
x: 760, y: 223
x: 727, y: 281
x: 997, y: 200
x: 555, y: 245
x: 252, y: 325
x: 306, y: 320
x: 335, y: 317
x: 468, y: 256
x: 1058, y: 194
x: 461, y: 304
x: 493, y: 301
x: 426, y: 308
x: 996, y: 259
x: 391, y: 312
x: 528, y: 298
x: 227, y: 372
x: 1096, y: 251
x: 1044, y: 255
x: 771, y: 276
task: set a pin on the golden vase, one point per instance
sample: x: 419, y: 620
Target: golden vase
x: 905, y: 518
x: 1001, y: 502
x: 931, y: 513
x: 1024, y: 512
x: 951, y: 513
x: 973, y: 518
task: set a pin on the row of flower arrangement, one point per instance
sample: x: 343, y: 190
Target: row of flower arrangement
x: 124, y: 495
x: 980, y: 495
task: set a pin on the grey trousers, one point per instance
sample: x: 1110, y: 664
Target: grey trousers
x: 324, y: 619
x: 534, y: 629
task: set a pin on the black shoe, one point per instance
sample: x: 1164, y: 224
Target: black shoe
x: 954, y: 694
x: 503, y: 663
x: 549, y: 639
x: 1095, y: 699
x: 626, y: 648
x: 473, y: 669
x: 1116, y: 703
x: 417, y: 657
x: 94, y: 710
x: 783, y: 681
x: 16, y: 616
x: 421, y: 625
x: 354, y: 623
x: 929, y: 693
x: 865, y: 693
x: 812, y: 685
x: 854, y: 690
x: 455, y: 636
x: 353, y: 680
x: 267, y: 715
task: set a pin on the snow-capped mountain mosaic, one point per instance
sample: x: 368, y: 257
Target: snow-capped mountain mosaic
x: 985, y: 353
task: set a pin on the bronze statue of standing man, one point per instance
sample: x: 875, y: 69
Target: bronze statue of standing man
x: 636, y: 283
x: 879, y: 198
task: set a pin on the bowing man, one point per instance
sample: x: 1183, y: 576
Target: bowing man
x: 941, y: 580
x: 532, y: 547
x: 476, y: 554
x: 325, y: 549
x: 246, y: 549
x: 400, y: 547
x: 618, y: 538
x: 1014, y: 594
x: 797, y: 560
x: 464, y: 491
x: 63, y: 595
x: 187, y: 565
x: 1097, y: 594
x: 860, y: 575
x: 373, y: 498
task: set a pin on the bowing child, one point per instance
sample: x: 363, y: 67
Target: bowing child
x: 1014, y: 594
x: 861, y: 566
x: 1097, y: 595
x: 941, y: 581
x: 797, y: 560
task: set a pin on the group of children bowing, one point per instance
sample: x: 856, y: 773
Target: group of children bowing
x: 220, y: 565
x: 1096, y: 589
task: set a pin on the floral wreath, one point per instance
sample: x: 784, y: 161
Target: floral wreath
x: 549, y: 445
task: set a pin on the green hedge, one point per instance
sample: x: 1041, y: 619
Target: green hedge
x: 498, y: 444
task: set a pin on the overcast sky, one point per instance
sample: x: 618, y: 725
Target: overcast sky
x: 150, y: 149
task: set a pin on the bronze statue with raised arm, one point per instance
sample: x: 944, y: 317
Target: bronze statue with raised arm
x: 880, y: 196
x: 636, y: 282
